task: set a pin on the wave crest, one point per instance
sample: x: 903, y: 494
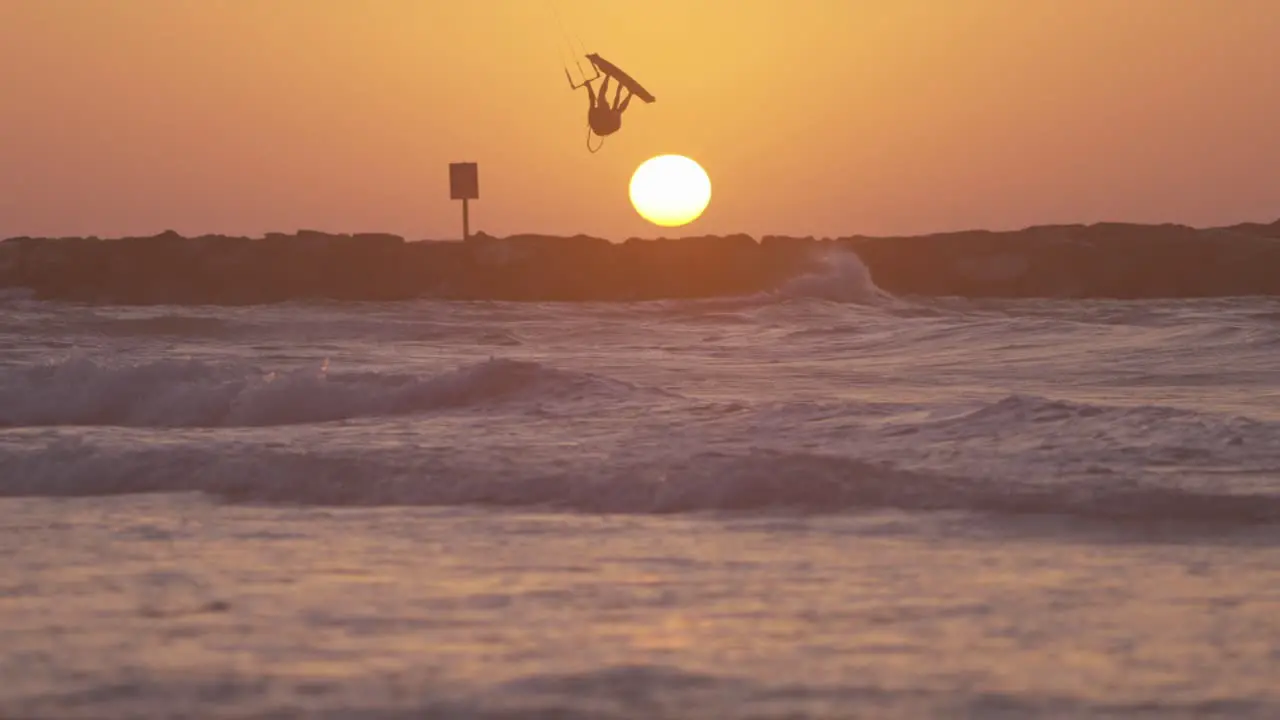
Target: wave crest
x: 194, y: 393
x: 756, y: 481
x: 842, y: 277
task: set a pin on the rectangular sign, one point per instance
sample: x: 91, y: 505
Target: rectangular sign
x: 464, y: 181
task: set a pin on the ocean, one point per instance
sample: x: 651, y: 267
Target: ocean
x: 820, y: 501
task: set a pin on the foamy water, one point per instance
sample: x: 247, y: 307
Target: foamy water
x: 822, y: 501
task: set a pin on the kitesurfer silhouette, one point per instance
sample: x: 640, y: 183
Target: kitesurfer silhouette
x: 603, y: 117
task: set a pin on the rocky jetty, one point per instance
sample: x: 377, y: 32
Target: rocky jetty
x: 1106, y: 260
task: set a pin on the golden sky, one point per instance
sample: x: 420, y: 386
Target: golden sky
x: 823, y: 117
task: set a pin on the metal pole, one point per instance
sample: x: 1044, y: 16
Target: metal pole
x: 466, y: 221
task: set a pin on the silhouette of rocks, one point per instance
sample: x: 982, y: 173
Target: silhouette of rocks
x: 1105, y: 260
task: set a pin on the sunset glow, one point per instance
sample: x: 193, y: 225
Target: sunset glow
x: 816, y: 118
x: 392, y: 359
x: 670, y: 190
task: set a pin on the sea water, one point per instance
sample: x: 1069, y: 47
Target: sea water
x: 820, y: 502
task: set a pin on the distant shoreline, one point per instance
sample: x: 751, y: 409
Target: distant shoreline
x: 1271, y: 229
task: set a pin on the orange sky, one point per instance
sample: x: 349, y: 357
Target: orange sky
x: 822, y: 117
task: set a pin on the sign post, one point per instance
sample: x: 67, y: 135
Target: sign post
x: 464, y: 185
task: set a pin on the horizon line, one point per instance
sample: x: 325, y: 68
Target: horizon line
x: 480, y: 233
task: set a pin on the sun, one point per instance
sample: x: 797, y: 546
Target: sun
x: 670, y: 190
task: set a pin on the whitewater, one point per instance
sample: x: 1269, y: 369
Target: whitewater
x: 821, y: 501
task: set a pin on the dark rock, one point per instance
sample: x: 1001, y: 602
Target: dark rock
x: 1113, y: 260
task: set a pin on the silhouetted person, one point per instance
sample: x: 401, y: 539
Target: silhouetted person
x: 606, y: 119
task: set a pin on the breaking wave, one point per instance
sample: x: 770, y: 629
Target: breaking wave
x: 1015, y: 455
x: 167, y: 325
x: 841, y: 277
x: 195, y: 393
x: 702, y: 481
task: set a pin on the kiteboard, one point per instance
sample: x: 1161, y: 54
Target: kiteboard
x: 621, y: 77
